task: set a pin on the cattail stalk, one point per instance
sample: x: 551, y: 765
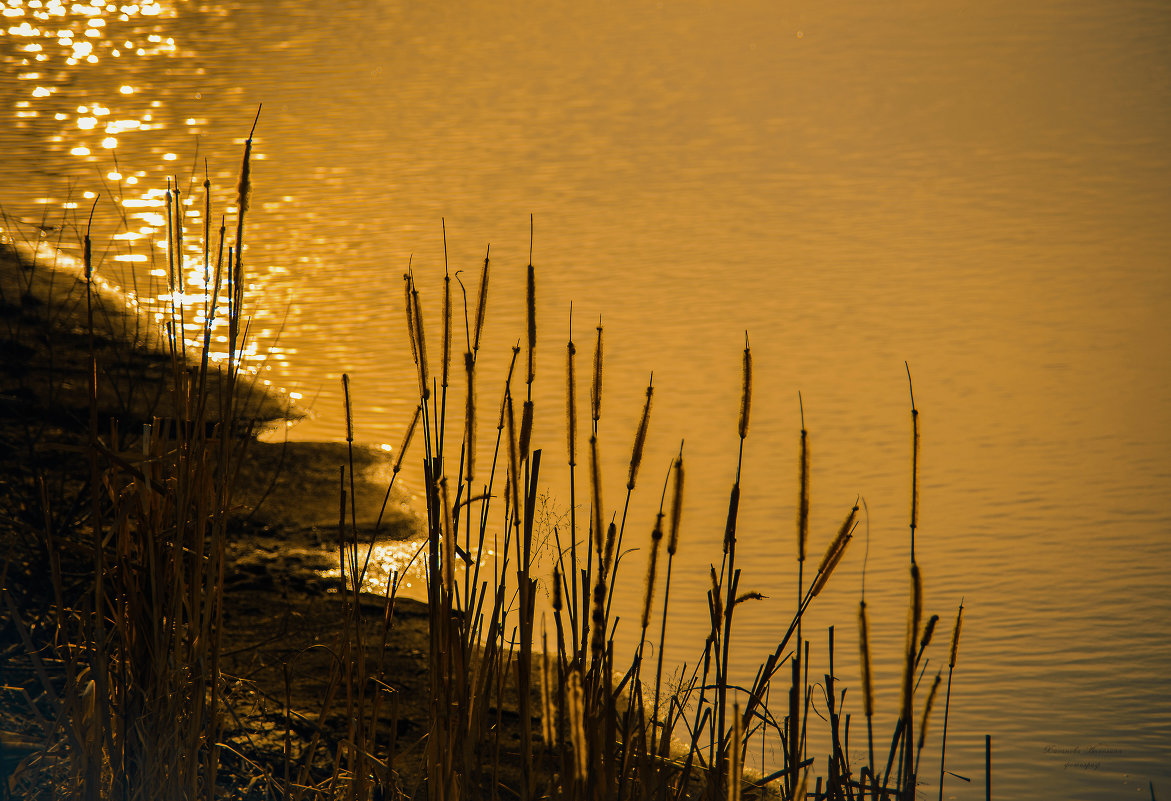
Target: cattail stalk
x: 448, y: 543
x: 834, y: 553
x: 420, y: 343
x: 908, y: 701
x: 951, y: 663
x: 746, y: 390
x: 803, y: 490
x: 531, y: 307
x: 596, y: 489
x: 923, y: 722
x: 867, y: 686
x: 640, y: 437
x: 596, y: 386
x: 914, y: 462
x: 676, y: 506
x: 481, y: 304
x: 652, y: 566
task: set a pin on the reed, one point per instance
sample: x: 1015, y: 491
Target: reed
x: 951, y: 663
x: 509, y: 713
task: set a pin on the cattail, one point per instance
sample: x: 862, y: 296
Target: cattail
x: 834, y: 553
x: 746, y: 391
x: 526, y: 429
x: 916, y: 606
x: 927, y: 714
x: 611, y: 539
x: 448, y: 543
x: 955, y: 637
x: 531, y: 305
x: 914, y: 462
x: 417, y: 315
x: 408, y: 282
x: 676, y: 506
x: 349, y: 408
x: 398, y: 462
x: 596, y: 387
x: 748, y: 596
x: 570, y: 403
x: 803, y: 495
x: 640, y: 436
x: 598, y: 635
x: 733, y: 512
x: 864, y: 648
x: 557, y: 604
x: 244, y: 194
x: 170, y: 200
x: 470, y: 416
x: 446, y: 326
x: 916, y: 613
x: 596, y: 488
x: 481, y: 304
x: 928, y: 632
x: 716, y: 603
x: 513, y: 461
x: 955, y: 644
x: 652, y: 566
x: 577, y: 725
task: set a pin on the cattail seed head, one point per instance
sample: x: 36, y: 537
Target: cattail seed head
x: 834, y: 553
x: 746, y: 390
x: 446, y: 330
x: 748, y: 596
x: 715, y: 603
x: 803, y: 498
x: 611, y: 539
x: 470, y: 417
x: 421, y: 342
x: 557, y: 605
x: 571, y: 403
x: 955, y: 637
x: 927, y: 713
x: 410, y: 312
x: 481, y: 305
x: 916, y: 605
x: 398, y: 462
x: 733, y: 513
x: 513, y: 461
x: 864, y: 647
x: 596, y: 488
x: 526, y: 429
x: 640, y: 437
x: 676, y: 506
x: 652, y: 566
x: 531, y: 306
x: 349, y: 408
x: 928, y: 632
x: 448, y: 542
x: 596, y: 387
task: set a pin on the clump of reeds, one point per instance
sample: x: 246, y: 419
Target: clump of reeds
x: 603, y: 731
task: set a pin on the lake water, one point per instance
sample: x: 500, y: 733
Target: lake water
x: 981, y: 190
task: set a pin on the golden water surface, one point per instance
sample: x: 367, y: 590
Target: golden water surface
x: 980, y: 190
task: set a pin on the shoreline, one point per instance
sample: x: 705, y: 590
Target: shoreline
x: 281, y: 615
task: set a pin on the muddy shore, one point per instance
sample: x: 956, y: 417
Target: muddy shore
x: 282, y: 611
